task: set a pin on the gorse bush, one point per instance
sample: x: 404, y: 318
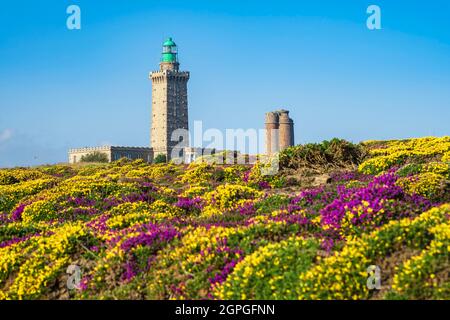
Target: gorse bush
x: 399, y: 152
x: 271, y: 272
x: 419, y: 162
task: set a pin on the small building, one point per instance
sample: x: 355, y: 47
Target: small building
x: 113, y: 153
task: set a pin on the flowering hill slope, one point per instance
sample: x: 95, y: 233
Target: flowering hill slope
x: 139, y: 231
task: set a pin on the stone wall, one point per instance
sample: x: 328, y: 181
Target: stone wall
x: 132, y: 153
x: 76, y: 154
x: 113, y: 153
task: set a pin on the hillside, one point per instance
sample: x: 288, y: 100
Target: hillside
x: 140, y: 231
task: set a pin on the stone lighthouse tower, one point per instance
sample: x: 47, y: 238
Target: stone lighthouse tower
x: 169, y: 105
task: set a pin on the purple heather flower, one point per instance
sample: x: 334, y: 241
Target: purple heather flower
x: 221, y: 276
x: 84, y: 283
x: 15, y: 240
x: 149, y: 186
x: 4, y: 218
x: 81, y: 201
x: 99, y: 224
x: 381, y: 188
x: 16, y: 215
x: 264, y: 185
x: 137, y: 197
x: 189, y: 204
x: 130, y: 271
x: 150, y: 234
x: 247, y: 208
x: 327, y: 244
x: 246, y: 176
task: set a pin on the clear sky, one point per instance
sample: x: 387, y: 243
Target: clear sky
x: 63, y: 88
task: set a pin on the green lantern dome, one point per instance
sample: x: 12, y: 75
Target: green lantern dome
x: 169, y: 43
x: 169, y: 53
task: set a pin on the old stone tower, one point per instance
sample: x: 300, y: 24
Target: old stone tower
x: 279, y: 131
x: 169, y: 104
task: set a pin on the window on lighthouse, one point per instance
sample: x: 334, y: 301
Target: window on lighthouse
x: 169, y: 49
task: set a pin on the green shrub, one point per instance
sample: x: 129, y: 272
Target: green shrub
x: 409, y: 169
x: 325, y: 155
x: 95, y: 156
x: 160, y: 158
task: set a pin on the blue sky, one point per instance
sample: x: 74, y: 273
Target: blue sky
x: 63, y: 88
